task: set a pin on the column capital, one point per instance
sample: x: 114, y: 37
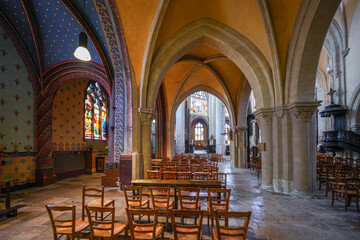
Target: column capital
x: 303, y: 111
x: 264, y: 116
x: 147, y: 115
x: 240, y: 130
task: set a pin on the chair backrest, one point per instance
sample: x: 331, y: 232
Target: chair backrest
x: 353, y: 185
x: 169, y: 175
x: 236, y: 230
x: 189, y: 198
x: 154, y: 174
x: 160, y: 197
x: 92, y: 193
x: 65, y: 225
x: 222, y: 177
x: 218, y: 199
x: 184, y: 230
x: 201, y: 176
x: 101, y: 228
x: 133, y: 194
x: 184, y: 175
x: 140, y: 230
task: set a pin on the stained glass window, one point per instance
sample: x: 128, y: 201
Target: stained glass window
x: 96, y: 108
x: 199, y: 132
x: 199, y: 103
x: 227, y: 130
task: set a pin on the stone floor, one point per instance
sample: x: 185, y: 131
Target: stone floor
x: 274, y: 216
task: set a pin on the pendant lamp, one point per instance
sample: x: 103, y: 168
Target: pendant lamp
x: 82, y: 52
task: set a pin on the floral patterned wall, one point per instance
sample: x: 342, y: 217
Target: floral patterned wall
x: 16, y: 100
x: 68, y: 116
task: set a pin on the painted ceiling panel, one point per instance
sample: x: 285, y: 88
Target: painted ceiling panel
x: 59, y: 32
x: 15, y: 13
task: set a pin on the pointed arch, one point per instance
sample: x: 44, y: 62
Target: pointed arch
x: 232, y: 44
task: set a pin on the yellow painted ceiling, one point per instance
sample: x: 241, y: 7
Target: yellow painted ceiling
x: 136, y: 18
x: 242, y: 15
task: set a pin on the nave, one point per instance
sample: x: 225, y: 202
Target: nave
x: 274, y: 216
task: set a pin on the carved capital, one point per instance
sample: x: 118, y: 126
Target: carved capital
x: 146, y: 115
x: 303, y: 111
x: 240, y: 130
x: 264, y: 116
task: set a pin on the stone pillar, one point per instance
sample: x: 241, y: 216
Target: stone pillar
x: 212, y: 116
x: 146, y: 118
x: 180, y: 129
x: 241, y: 147
x: 264, y: 120
x: 220, y: 127
x: 303, y: 158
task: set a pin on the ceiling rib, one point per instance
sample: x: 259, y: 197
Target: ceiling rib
x: 35, y: 34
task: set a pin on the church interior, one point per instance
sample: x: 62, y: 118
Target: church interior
x: 259, y: 99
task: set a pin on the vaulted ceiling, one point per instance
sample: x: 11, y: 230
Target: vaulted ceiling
x: 149, y: 24
x: 49, y: 31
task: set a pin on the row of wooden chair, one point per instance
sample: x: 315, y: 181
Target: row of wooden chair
x: 66, y: 224
x: 341, y: 177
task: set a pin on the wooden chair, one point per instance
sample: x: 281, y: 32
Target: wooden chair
x: 187, y: 231
x: 189, y: 198
x: 224, y: 231
x: 351, y: 189
x: 160, y: 197
x: 98, y: 199
x: 65, y: 225
x: 222, y: 177
x: 149, y: 230
x: 201, y: 176
x: 104, y: 228
x: 218, y: 200
x: 154, y: 174
x: 134, y: 197
x: 184, y: 175
x: 169, y: 175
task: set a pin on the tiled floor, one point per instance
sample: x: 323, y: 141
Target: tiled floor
x: 274, y: 216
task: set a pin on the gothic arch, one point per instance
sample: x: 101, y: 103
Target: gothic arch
x: 208, y: 31
x: 180, y: 99
x: 309, y: 31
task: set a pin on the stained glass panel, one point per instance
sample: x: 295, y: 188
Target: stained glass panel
x: 88, y: 117
x: 96, y: 122
x: 199, y: 132
x: 95, y: 113
x: 103, y: 122
x: 199, y: 103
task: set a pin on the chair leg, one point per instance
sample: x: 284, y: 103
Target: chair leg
x: 332, y: 199
x: 346, y: 200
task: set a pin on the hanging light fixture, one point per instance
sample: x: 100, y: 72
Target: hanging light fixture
x: 81, y: 51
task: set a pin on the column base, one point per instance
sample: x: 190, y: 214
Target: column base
x: 268, y: 188
x: 45, y: 176
x: 283, y: 186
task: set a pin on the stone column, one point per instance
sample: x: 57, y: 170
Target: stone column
x: 241, y: 147
x: 146, y: 118
x: 220, y: 127
x: 264, y: 120
x: 303, y: 158
x: 212, y: 116
x: 180, y: 129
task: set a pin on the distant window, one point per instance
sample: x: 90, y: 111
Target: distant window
x: 199, y: 132
x: 96, y: 109
x: 199, y: 103
x: 227, y: 131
